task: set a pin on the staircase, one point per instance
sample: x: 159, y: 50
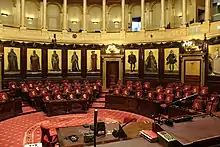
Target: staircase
x: 99, y: 103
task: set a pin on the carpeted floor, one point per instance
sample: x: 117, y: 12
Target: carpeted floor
x: 25, y: 129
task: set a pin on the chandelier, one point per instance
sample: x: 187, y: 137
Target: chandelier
x: 112, y: 49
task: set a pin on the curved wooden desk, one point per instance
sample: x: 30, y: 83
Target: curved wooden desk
x: 141, y: 106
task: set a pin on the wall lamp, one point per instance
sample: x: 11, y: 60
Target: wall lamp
x: 30, y: 18
x: 95, y: 22
x: 74, y: 22
x: 4, y: 14
x: 116, y: 22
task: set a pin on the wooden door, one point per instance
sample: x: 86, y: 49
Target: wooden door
x: 112, y: 73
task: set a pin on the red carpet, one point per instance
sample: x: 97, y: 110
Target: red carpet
x: 24, y: 129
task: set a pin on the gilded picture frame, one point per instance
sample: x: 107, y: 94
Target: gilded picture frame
x: 12, y: 60
x: 34, y: 60
x: 151, y: 61
x: 214, y: 60
x: 171, y: 61
x: 74, y: 61
x: 131, y: 61
x: 93, y: 61
x: 54, y: 60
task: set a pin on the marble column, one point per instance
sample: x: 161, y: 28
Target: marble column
x: 22, y: 13
x: 64, y: 15
x: 184, y: 12
x: 162, y: 19
x: 207, y: 10
x: 103, y: 15
x: 142, y: 15
x: 44, y: 14
x: 84, y: 15
x: 122, y: 15
x: 151, y: 19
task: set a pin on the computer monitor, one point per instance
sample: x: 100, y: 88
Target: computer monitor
x: 136, y: 24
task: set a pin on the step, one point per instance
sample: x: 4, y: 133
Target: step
x: 101, y: 99
x: 98, y: 105
x: 105, y: 90
x: 28, y: 109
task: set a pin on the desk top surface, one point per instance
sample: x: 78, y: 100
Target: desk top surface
x: 80, y: 130
x: 198, y: 129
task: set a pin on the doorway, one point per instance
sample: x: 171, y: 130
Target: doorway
x: 112, y: 73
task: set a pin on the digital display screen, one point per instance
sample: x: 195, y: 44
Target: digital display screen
x: 136, y: 26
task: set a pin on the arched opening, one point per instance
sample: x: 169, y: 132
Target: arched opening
x: 114, y: 19
x: 94, y: 18
x: 53, y: 17
x: 74, y: 18
x: 32, y: 14
x: 7, y: 13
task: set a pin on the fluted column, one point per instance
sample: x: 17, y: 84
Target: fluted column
x: 207, y: 10
x: 184, y: 12
x: 44, y: 14
x: 142, y: 14
x: 103, y: 15
x: 22, y: 13
x: 162, y: 19
x: 84, y: 14
x: 151, y: 19
x: 122, y: 15
x: 64, y: 15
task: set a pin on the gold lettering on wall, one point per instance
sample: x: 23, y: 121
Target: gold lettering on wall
x: 131, y: 60
x: 11, y: 59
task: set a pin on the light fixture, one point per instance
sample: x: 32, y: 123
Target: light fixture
x: 116, y: 22
x: 95, y: 22
x: 4, y: 14
x: 74, y: 22
x: 30, y: 18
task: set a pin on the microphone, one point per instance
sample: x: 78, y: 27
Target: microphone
x: 120, y: 133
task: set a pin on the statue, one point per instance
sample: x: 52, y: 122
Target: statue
x: 55, y: 61
x: 171, y: 60
x: 151, y: 63
x: 94, y: 61
x: 74, y: 61
x: 132, y: 61
x: 12, y: 61
x: 35, y: 63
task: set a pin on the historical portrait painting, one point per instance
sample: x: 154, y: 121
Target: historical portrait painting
x: 214, y: 60
x: 151, y: 61
x: 54, y: 60
x: 171, y: 60
x: 93, y: 60
x: 34, y: 60
x: 11, y: 60
x: 131, y: 60
x: 74, y: 60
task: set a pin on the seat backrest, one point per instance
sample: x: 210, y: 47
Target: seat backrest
x: 125, y: 92
x: 204, y: 90
x: 169, y: 90
x: 139, y: 93
x: 159, y: 89
x: 146, y: 85
x: 160, y: 97
x: 169, y: 98
x: 198, y: 104
x: 3, y: 96
x: 116, y: 91
x: 211, y: 105
x: 195, y: 89
x: 72, y: 95
x: 32, y: 93
x: 178, y: 94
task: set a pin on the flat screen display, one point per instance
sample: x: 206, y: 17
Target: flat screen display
x: 136, y: 26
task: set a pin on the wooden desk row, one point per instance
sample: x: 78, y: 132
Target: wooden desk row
x: 58, y: 107
x: 10, y: 108
x: 141, y: 106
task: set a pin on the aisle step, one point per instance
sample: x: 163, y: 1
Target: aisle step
x: 98, y: 105
x: 101, y: 99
